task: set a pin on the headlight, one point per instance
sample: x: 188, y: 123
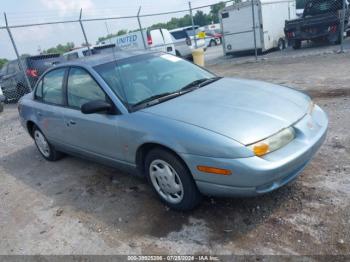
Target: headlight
x: 273, y: 143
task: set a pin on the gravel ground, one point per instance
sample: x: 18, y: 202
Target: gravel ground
x: 76, y: 207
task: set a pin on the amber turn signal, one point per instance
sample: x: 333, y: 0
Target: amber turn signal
x: 214, y: 170
x: 261, y: 149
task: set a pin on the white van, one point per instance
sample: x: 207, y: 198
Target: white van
x: 155, y: 40
x: 184, y: 41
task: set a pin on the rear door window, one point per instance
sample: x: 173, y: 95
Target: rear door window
x: 53, y: 87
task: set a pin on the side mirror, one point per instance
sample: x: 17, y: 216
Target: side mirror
x: 96, y: 106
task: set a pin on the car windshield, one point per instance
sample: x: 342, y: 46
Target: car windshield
x: 147, y: 77
x: 317, y: 7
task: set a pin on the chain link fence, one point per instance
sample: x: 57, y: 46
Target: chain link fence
x: 224, y: 29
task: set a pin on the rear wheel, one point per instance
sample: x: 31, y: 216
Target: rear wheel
x: 171, y: 180
x: 47, y: 150
x: 1, y: 107
x: 297, y: 44
x: 212, y: 43
x: 177, y: 53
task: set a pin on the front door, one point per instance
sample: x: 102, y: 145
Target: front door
x: 94, y: 134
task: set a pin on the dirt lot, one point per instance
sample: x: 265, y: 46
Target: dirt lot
x: 77, y: 207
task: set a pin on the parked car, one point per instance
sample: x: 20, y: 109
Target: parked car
x: 184, y: 41
x: 321, y: 20
x: 187, y: 130
x: 2, y: 100
x: 13, y: 81
x: 270, y: 17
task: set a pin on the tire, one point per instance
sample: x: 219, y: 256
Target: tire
x: 297, y: 44
x: 47, y: 150
x: 1, y: 107
x: 175, y: 187
x: 212, y: 43
x: 281, y: 44
x: 177, y: 53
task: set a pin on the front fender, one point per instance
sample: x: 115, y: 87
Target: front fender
x: 140, y: 128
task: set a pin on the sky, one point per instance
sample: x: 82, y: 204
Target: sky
x: 31, y: 40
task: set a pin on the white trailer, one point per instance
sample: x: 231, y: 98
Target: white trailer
x: 270, y: 17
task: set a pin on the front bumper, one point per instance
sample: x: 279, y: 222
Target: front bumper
x: 258, y: 175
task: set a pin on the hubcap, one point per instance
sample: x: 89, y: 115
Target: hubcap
x: 42, y: 144
x: 166, y: 181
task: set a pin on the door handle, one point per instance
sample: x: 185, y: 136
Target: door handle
x: 40, y: 114
x: 72, y: 122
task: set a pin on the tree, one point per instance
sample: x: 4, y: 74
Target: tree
x: 3, y: 61
x: 201, y: 19
x: 104, y: 38
x: 214, y: 11
x: 60, y: 49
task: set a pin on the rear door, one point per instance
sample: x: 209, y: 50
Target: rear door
x: 92, y: 134
x: 50, y: 96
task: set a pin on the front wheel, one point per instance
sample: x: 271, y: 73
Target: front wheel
x: 171, y: 180
x: 44, y: 147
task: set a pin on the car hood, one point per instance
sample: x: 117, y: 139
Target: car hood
x: 244, y: 110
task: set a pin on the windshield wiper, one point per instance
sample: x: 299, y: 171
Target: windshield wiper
x: 209, y: 81
x: 155, y: 99
x: 200, y: 83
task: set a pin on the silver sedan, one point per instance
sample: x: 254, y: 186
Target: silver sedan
x: 188, y: 131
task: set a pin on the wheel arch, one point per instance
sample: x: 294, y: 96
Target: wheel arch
x: 30, y: 126
x: 145, y: 148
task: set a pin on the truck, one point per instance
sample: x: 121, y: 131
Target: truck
x: 321, y: 20
x: 269, y: 16
x: 150, y: 39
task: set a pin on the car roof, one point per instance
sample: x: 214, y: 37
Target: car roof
x: 99, y: 59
